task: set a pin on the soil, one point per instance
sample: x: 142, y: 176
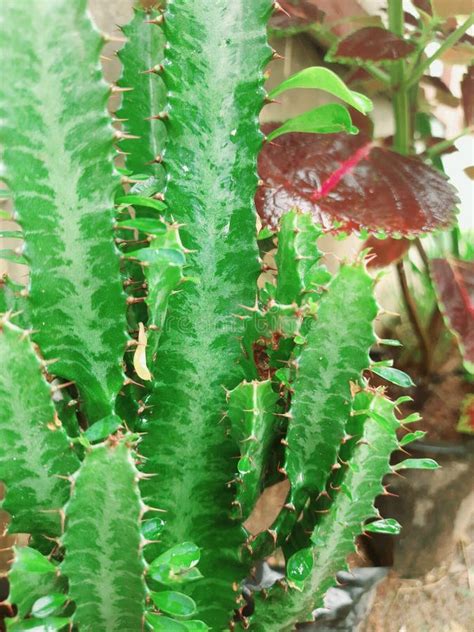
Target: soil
x: 441, y: 601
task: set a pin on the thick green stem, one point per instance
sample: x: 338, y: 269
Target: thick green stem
x: 401, y: 104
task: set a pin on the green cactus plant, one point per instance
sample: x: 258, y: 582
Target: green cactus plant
x: 131, y: 457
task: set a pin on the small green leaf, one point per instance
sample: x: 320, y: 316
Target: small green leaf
x: 147, y: 187
x: 177, y: 565
x: 151, y: 529
x: 265, y: 233
x: 164, y: 624
x: 195, y: 626
x: 174, y: 603
x: 400, y: 378
x: 171, y: 576
x: 412, y: 436
x: 244, y: 465
x: 417, y: 464
x: 9, y: 255
x: 389, y: 525
x: 103, y: 428
x: 5, y: 214
x: 321, y: 78
x: 145, y: 224
x: 153, y: 255
x: 51, y: 624
x: 11, y: 234
x: 326, y: 119
x: 284, y: 376
x: 300, y: 565
x: 139, y: 200
x: 32, y: 561
x: 411, y: 418
x: 46, y: 606
x: 185, y: 555
x: 390, y: 342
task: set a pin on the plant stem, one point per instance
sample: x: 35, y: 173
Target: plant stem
x: 437, y: 149
x: 448, y: 43
x: 401, y: 106
x: 378, y: 73
x: 412, y: 312
x: 402, y: 145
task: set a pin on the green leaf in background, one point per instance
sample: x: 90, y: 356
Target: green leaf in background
x: 50, y: 624
x: 389, y: 526
x: 9, y: 255
x: 144, y: 224
x: 416, y: 464
x: 11, y: 234
x: 48, y: 605
x: 400, y: 378
x: 412, y: 436
x: 174, y: 603
x: 33, y: 562
x: 31, y: 577
x: 151, y: 529
x: 103, y: 428
x: 320, y: 78
x: 103, y: 559
x: 139, y: 200
x: 325, y: 119
x: 164, y: 624
x: 176, y: 565
x: 195, y: 626
x: 58, y: 164
x: 35, y: 453
x: 300, y: 565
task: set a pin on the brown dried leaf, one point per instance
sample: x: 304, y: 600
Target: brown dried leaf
x: 454, y: 284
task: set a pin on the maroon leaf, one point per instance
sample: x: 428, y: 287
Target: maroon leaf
x: 454, y: 283
x: 385, y: 251
x: 443, y: 93
x: 295, y: 14
x: 339, y: 15
x: 467, y: 91
x: 424, y: 5
x: 350, y: 180
x: 373, y: 44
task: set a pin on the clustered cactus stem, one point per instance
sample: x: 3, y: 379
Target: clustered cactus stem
x: 150, y: 387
